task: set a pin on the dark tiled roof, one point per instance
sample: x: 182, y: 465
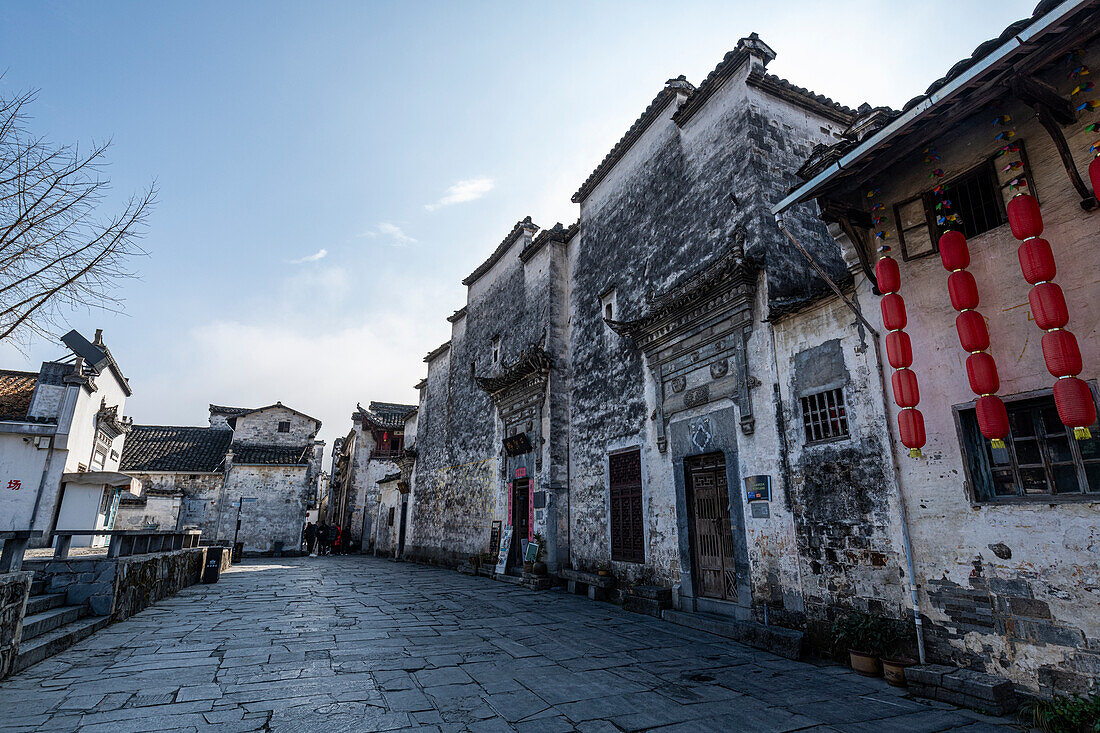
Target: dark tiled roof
x: 556, y: 233
x: 16, y: 391
x: 238, y: 411
x: 169, y: 448
x: 437, y: 352
x: 231, y: 411
x: 385, y: 414
x: 666, y: 95
x: 457, y: 315
x: 484, y: 267
x: 389, y: 477
x: 801, y: 96
x: 272, y: 455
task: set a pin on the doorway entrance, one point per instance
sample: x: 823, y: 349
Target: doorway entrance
x: 521, y: 520
x: 711, y: 534
x: 401, y: 529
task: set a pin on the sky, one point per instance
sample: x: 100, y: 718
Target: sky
x: 329, y: 172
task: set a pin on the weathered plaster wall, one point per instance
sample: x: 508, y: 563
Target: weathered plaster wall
x: 284, y: 494
x: 1013, y: 588
x: 262, y: 428
x: 14, y: 590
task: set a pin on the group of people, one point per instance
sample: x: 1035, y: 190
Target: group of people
x: 323, y: 539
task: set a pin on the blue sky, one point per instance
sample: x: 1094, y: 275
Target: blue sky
x: 401, y: 140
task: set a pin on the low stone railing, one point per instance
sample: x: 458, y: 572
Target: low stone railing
x: 126, y: 542
x: 15, y: 545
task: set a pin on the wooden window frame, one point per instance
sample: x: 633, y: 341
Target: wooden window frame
x: 625, y: 511
x: 810, y: 425
x: 281, y: 424
x: 970, y: 439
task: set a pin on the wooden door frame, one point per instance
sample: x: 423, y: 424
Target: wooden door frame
x: 728, y: 563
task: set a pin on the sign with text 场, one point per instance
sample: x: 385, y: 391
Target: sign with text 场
x: 502, y: 555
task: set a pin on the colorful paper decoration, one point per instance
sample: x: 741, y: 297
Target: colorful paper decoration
x: 981, y: 369
x: 1061, y: 353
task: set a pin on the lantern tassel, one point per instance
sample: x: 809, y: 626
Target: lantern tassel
x: 997, y: 443
x: 915, y: 453
x: 1082, y: 433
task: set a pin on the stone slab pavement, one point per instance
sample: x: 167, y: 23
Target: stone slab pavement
x: 356, y: 643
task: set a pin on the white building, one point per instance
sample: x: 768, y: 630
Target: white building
x: 61, y: 435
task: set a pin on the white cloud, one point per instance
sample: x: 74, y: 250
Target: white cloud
x: 318, y: 255
x: 470, y: 189
x: 395, y: 234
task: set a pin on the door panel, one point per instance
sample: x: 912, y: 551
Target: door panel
x: 712, y: 532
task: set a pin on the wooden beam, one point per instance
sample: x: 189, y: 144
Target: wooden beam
x: 849, y: 218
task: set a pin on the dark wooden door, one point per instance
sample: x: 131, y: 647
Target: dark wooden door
x: 521, y: 519
x: 712, y: 534
x: 401, y: 529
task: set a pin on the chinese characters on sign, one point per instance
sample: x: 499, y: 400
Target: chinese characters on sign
x: 15, y: 484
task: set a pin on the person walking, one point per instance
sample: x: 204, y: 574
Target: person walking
x: 322, y: 539
x: 337, y: 541
x: 311, y: 538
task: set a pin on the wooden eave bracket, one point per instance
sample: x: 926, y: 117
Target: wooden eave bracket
x: 849, y: 219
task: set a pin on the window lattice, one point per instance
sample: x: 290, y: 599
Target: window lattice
x: 824, y: 416
x: 627, y: 533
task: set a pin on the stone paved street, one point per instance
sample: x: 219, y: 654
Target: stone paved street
x: 362, y: 644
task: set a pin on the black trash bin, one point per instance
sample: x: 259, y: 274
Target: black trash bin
x: 277, y: 550
x: 213, y: 569
x: 238, y: 551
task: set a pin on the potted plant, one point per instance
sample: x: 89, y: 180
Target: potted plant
x: 860, y: 634
x: 539, y: 567
x: 896, y: 657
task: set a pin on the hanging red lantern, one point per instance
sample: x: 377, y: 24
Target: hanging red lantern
x: 888, y: 275
x: 963, y: 290
x: 1036, y: 260
x: 893, y: 311
x: 981, y: 372
x: 911, y: 427
x: 992, y: 419
x: 973, y: 335
x: 1048, y: 306
x: 1024, y: 216
x: 899, y: 349
x: 1061, y: 353
x: 1094, y: 176
x: 1075, y: 405
x: 906, y: 391
x: 954, y: 252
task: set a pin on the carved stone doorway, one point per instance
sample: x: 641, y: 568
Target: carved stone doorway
x: 712, y: 552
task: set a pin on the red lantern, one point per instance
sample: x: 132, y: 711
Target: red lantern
x: 1075, y: 406
x: 893, y: 311
x: 888, y: 275
x: 1061, y: 353
x: 1036, y: 260
x: 1024, y: 217
x: 973, y: 335
x: 992, y: 419
x: 954, y: 253
x: 899, y: 350
x: 1048, y: 306
x: 981, y: 370
x: 906, y: 392
x: 911, y: 427
x: 1094, y: 176
x: 963, y: 290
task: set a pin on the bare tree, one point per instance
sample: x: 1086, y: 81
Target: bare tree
x: 57, y: 252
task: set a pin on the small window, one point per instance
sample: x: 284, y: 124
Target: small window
x: 976, y: 199
x: 284, y: 427
x: 607, y: 304
x: 627, y: 532
x: 390, y: 520
x: 1040, y: 459
x: 913, y: 228
x: 824, y: 416
x: 496, y: 349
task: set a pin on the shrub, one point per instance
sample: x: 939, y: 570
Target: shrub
x: 1074, y: 714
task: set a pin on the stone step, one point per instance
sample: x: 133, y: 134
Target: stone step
x: 38, y: 587
x: 58, y: 640
x: 39, y: 623
x: 775, y: 639
x: 43, y: 602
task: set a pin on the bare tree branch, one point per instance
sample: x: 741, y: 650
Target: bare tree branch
x: 56, y: 251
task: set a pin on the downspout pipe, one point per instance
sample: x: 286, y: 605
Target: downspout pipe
x: 903, y: 514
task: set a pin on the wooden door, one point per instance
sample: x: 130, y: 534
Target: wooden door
x: 712, y: 533
x: 521, y: 519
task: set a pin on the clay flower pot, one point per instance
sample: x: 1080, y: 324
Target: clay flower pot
x: 538, y: 568
x: 894, y: 670
x: 527, y: 566
x: 865, y: 664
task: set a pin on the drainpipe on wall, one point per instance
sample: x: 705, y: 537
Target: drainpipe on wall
x: 221, y: 498
x: 41, y: 490
x: 903, y: 514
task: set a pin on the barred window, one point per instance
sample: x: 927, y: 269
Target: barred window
x: 824, y: 416
x: 627, y: 534
x: 284, y: 426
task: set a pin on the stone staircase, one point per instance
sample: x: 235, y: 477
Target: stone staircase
x: 50, y: 626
